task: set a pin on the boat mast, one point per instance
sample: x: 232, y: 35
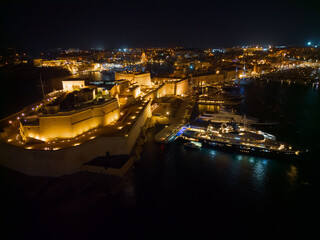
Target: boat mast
x: 42, y: 87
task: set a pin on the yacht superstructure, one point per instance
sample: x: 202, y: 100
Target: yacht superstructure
x: 233, y: 137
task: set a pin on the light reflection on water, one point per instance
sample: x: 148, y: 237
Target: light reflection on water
x: 250, y: 187
x: 292, y: 174
x: 240, y: 157
x: 242, y: 172
x: 296, y: 109
x: 234, y: 169
x: 208, y: 108
x: 184, y: 168
x: 213, y: 153
x: 259, y: 175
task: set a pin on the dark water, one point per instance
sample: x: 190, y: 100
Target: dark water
x: 181, y: 193
x: 220, y: 195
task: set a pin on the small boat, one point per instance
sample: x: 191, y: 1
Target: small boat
x: 193, y: 145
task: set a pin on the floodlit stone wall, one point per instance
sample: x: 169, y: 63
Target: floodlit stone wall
x: 140, y: 79
x: 59, y: 162
x: 166, y: 89
x: 207, y: 79
x: 71, y: 124
x: 123, y: 76
x: 135, y: 130
x: 182, y: 87
x: 70, y: 160
x: 69, y: 86
x: 143, y: 79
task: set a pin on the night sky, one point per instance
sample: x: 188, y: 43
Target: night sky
x: 158, y: 23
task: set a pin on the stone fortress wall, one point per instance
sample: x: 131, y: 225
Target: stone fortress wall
x: 71, y: 124
x: 68, y: 125
x: 70, y: 160
x: 207, y: 79
x: 143, y: 79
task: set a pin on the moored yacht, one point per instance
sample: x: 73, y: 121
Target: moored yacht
x: 194, y: 145
x: 234, y: 138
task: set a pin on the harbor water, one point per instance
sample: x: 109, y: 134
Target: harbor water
x: 206, y: 192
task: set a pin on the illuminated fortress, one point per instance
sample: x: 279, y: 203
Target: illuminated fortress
x: 65, y: 125
x: 79, y: 123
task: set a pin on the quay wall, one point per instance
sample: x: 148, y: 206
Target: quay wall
x: 65, y: 161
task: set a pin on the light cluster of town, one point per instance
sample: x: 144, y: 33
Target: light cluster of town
x: 85, y: 119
